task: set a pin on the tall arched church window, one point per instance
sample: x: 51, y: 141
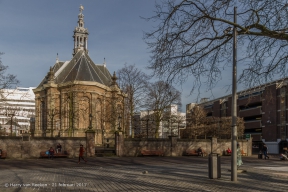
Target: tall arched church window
x: 84, y: 111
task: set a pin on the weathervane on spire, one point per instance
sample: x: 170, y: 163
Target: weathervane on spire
x: 81, y: 8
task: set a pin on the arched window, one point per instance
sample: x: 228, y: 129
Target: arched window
x: 84, y: 111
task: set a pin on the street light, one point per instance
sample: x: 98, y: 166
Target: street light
x: 32, y: 126
x: 234, y: 100
x: 147, y: 123
x: 90, y: 121
x: 11, y: 123
x: 119, y: 121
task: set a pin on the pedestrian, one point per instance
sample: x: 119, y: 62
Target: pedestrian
x: 81, y: 152
x: 51, y: 153
x: 265, y: 151
x: 239, y: 157
x: 58, y: 148
x: 229, y: 151
x: 200, y: 152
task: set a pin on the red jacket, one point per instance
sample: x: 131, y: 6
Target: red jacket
x: 51, y: 151
x: 81, y: 151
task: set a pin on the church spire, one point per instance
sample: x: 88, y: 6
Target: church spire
x: 80, y: 34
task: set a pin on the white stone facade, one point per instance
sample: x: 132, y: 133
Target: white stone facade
x: 19, y: 105
x: 169, y: 125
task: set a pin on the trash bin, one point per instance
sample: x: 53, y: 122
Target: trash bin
x: 260, y: 156
x: 214, y: 166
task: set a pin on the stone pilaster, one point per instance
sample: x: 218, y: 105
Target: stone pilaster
x: 90, y: 143
x: 75, y: 112
x: 119, y: 143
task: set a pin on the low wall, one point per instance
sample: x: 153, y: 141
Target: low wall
x: 178, y: 147
x: 17, y: 148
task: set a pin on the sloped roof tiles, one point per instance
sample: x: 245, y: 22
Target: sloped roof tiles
x: 80, y: 68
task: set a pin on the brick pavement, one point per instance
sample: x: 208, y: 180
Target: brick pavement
x: 126, y: 174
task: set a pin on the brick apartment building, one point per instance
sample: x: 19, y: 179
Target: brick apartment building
x: 263, y: 108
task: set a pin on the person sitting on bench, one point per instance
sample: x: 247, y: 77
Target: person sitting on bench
x: 200, y: 152
x: 58, y: 148
x: 51, y: 153
x: 228, y: 151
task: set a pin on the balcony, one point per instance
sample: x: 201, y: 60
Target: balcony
x: 249, y: 99
x: 253, y: 124
x: 250, y: 112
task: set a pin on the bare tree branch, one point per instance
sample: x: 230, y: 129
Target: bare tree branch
x: 159, y: 98
x: 6, y: 81
x: 190, y: 40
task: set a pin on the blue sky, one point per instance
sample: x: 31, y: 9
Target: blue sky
x: 33, y: 32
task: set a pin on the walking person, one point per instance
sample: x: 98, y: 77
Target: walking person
x: 81, y: 152
x: 265, y: 151
x: 239, y: 156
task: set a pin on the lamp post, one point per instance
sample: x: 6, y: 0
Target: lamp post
x: 119, y: 121
x: 90, y: 121
x: 103, y: 139
x: 178, y: 131
x: 32, y: 126
x: 133, y: 128
x: 58, y: 123
x: 11, y: 123
x: 169, y: 128
x: 234, y: 101
x: 147, y: 121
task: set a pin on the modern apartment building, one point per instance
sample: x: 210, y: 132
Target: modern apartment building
x: 16, y: 105
x: 171, y: 123
x: 263, y: 108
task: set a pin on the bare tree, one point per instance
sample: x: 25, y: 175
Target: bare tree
x: 132, y: 82
x: 11, y: 107
x: 53, y: 112
x: 160, y: 96
x: 190, y: 40
x: 198, y: 124
x: 196, y: 121
x: 6, y: 81
x: 76, y: 111
x: 176, y: 122
x: 223, y: 125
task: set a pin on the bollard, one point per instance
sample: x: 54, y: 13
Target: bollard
x: 214, y: 166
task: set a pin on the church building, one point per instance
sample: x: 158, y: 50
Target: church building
x: 78, y: 95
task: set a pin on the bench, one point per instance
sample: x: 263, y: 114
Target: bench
x: 194, y: 152
x: 62, y: 154
x: 4, y: 154
x: 225, y: 153
x: 152, y: 152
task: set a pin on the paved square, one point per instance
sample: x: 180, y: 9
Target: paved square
x: 140, y: 174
